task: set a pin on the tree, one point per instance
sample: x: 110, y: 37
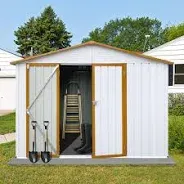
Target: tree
x: 45, y: 33
x: 129, y: 33
x: 174, y: 32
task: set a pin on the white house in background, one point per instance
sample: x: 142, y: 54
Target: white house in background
x: 7, y: 81
x: 172, y: 51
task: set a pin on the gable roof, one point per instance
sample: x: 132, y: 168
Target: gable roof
x: 91, y: 43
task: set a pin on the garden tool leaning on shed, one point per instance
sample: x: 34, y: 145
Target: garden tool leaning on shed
x: 72, y: 116
x: 33, y: 155
x: 46, y: 155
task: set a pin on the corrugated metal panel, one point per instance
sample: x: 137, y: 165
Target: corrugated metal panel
x: 44, y: 108
x: 21, y: 111
x: 79, y: 56
x: 147, y: 110
x: 89, y: 54
x: 105, y: 55
x: 108, y: 110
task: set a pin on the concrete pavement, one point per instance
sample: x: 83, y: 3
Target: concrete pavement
x: 4, y: 112
x: 7, y: 138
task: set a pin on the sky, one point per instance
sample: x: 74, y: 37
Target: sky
x: 82, y: 16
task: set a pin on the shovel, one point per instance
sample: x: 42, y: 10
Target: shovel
x: 33, y: 155
x: 45, y: 155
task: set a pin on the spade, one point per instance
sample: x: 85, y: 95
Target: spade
x: 45, y: 155
x: 33, y: 155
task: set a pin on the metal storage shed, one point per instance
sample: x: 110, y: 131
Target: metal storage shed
x: 129, y: 95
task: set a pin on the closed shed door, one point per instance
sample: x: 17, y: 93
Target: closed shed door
x: 42, y: 105
x: 109, y: 122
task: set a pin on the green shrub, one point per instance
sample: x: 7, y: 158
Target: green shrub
x: 176, y: 104
x: 176, y: 133
x: 177, y: 110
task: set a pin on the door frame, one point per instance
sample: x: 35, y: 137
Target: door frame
x: 124, y: 110
x: 57, y: 104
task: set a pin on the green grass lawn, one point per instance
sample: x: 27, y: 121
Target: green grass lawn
x: 88, y: 174
x: 85, y: 174
x: 7, y: 123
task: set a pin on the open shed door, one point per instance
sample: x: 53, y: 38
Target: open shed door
x: 42, y: 103
x: 109, y: 110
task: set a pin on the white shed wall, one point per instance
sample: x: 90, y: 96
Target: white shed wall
x: 147, y: 110
x: 21, y: 111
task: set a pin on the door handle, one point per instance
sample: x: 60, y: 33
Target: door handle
x: 94, y: 102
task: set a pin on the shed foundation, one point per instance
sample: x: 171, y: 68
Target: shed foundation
x: 98, y: 161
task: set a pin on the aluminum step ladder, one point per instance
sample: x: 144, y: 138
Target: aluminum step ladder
x: 72, y: 115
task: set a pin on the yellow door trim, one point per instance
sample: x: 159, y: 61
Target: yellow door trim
x: 27, y: 105
x: 58, y: 105
x: 58, y: 110
x: 124, y: 110
x: 43, y: 64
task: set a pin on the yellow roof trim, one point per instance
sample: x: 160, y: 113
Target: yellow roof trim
x: 92, y: 43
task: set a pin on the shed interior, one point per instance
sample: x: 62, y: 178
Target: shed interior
x: 77, y: 80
